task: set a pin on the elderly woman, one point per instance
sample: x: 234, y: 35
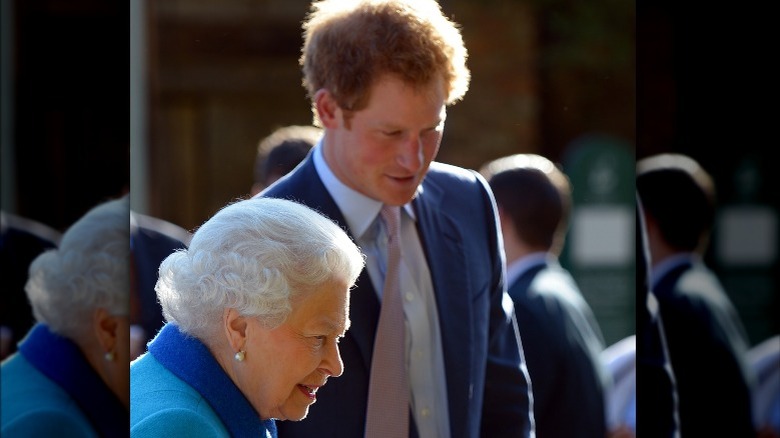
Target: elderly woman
x: 255, y: 308
x: 70, y: 376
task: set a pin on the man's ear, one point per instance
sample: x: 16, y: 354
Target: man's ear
x: 105, y: 326
x: 235, y: 329
x: 328, y: 109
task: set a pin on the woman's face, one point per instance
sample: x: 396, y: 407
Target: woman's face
x: 284, y: 367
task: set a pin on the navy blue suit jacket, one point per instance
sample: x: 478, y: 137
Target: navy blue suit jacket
x: 562, y: 344
x: 487, y: 383
x: 656, y: 391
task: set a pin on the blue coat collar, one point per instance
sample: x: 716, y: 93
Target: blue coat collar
x: 191, y: 361
x: 61, y: 360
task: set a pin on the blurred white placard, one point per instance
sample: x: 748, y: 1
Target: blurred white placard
x: 603, y: 235
x: 746, y: 236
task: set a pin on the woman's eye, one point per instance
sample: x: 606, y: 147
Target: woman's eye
x: 430, y: 132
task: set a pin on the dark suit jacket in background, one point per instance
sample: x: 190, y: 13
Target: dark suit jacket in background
x: 562, y: 343
x: 488, y: 391
x: 21, y: 241
x: 152, y: 240
x: 707, y: 347
x: 657, y: 411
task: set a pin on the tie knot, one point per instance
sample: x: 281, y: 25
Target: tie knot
x: 391, y: 215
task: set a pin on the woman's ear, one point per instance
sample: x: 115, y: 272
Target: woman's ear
x: 327, y: 108
x: 235, y: 329
x: 105, y: 326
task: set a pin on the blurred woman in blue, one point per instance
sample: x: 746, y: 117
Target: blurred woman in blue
x: 70, y: 376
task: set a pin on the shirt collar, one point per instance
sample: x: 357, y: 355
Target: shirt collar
x: 359, y: 210
x: 658, y: 271
x: 191, y: 361
x: 61, y: 360
x: 520, y: 266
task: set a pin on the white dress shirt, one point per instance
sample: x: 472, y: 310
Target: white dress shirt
x: 424, y: 355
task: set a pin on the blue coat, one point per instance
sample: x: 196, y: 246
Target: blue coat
x: 49, y: 389
x: 177, y: 388
x: 487, y: 383
x: 562, y: 343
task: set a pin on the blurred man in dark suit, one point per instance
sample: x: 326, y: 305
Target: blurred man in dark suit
x: 561, y: 337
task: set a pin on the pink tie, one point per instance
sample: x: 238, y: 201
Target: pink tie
x: 388, y: 391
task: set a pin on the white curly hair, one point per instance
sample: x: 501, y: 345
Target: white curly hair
x: 88, y: 270
x: 253, y: 256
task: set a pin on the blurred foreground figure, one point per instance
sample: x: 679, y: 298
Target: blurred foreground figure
x: 620, y: 400
x: 764, y: 358
x: 70, y: 376
x: 655, y: 411
x: 706, y: 340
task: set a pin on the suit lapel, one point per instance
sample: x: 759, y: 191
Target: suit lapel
x: 442, y: 242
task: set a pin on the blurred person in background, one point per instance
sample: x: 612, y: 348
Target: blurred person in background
x: 561, y: 337
x: 280, y: 151
x: 620, y: 400
x: 434, y: 349
x: 151, y: 241
x: 70, y: 376
x: 764, y: 358
x: 254, y: 310
x: 706, y: 340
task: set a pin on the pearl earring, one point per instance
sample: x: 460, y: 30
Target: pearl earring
x: 240, y: 356
x: 109, y: 356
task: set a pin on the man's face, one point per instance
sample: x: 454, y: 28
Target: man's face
x: 385, y: 151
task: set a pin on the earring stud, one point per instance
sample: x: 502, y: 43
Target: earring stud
x: 109, y: 356
x: 240, y: 355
